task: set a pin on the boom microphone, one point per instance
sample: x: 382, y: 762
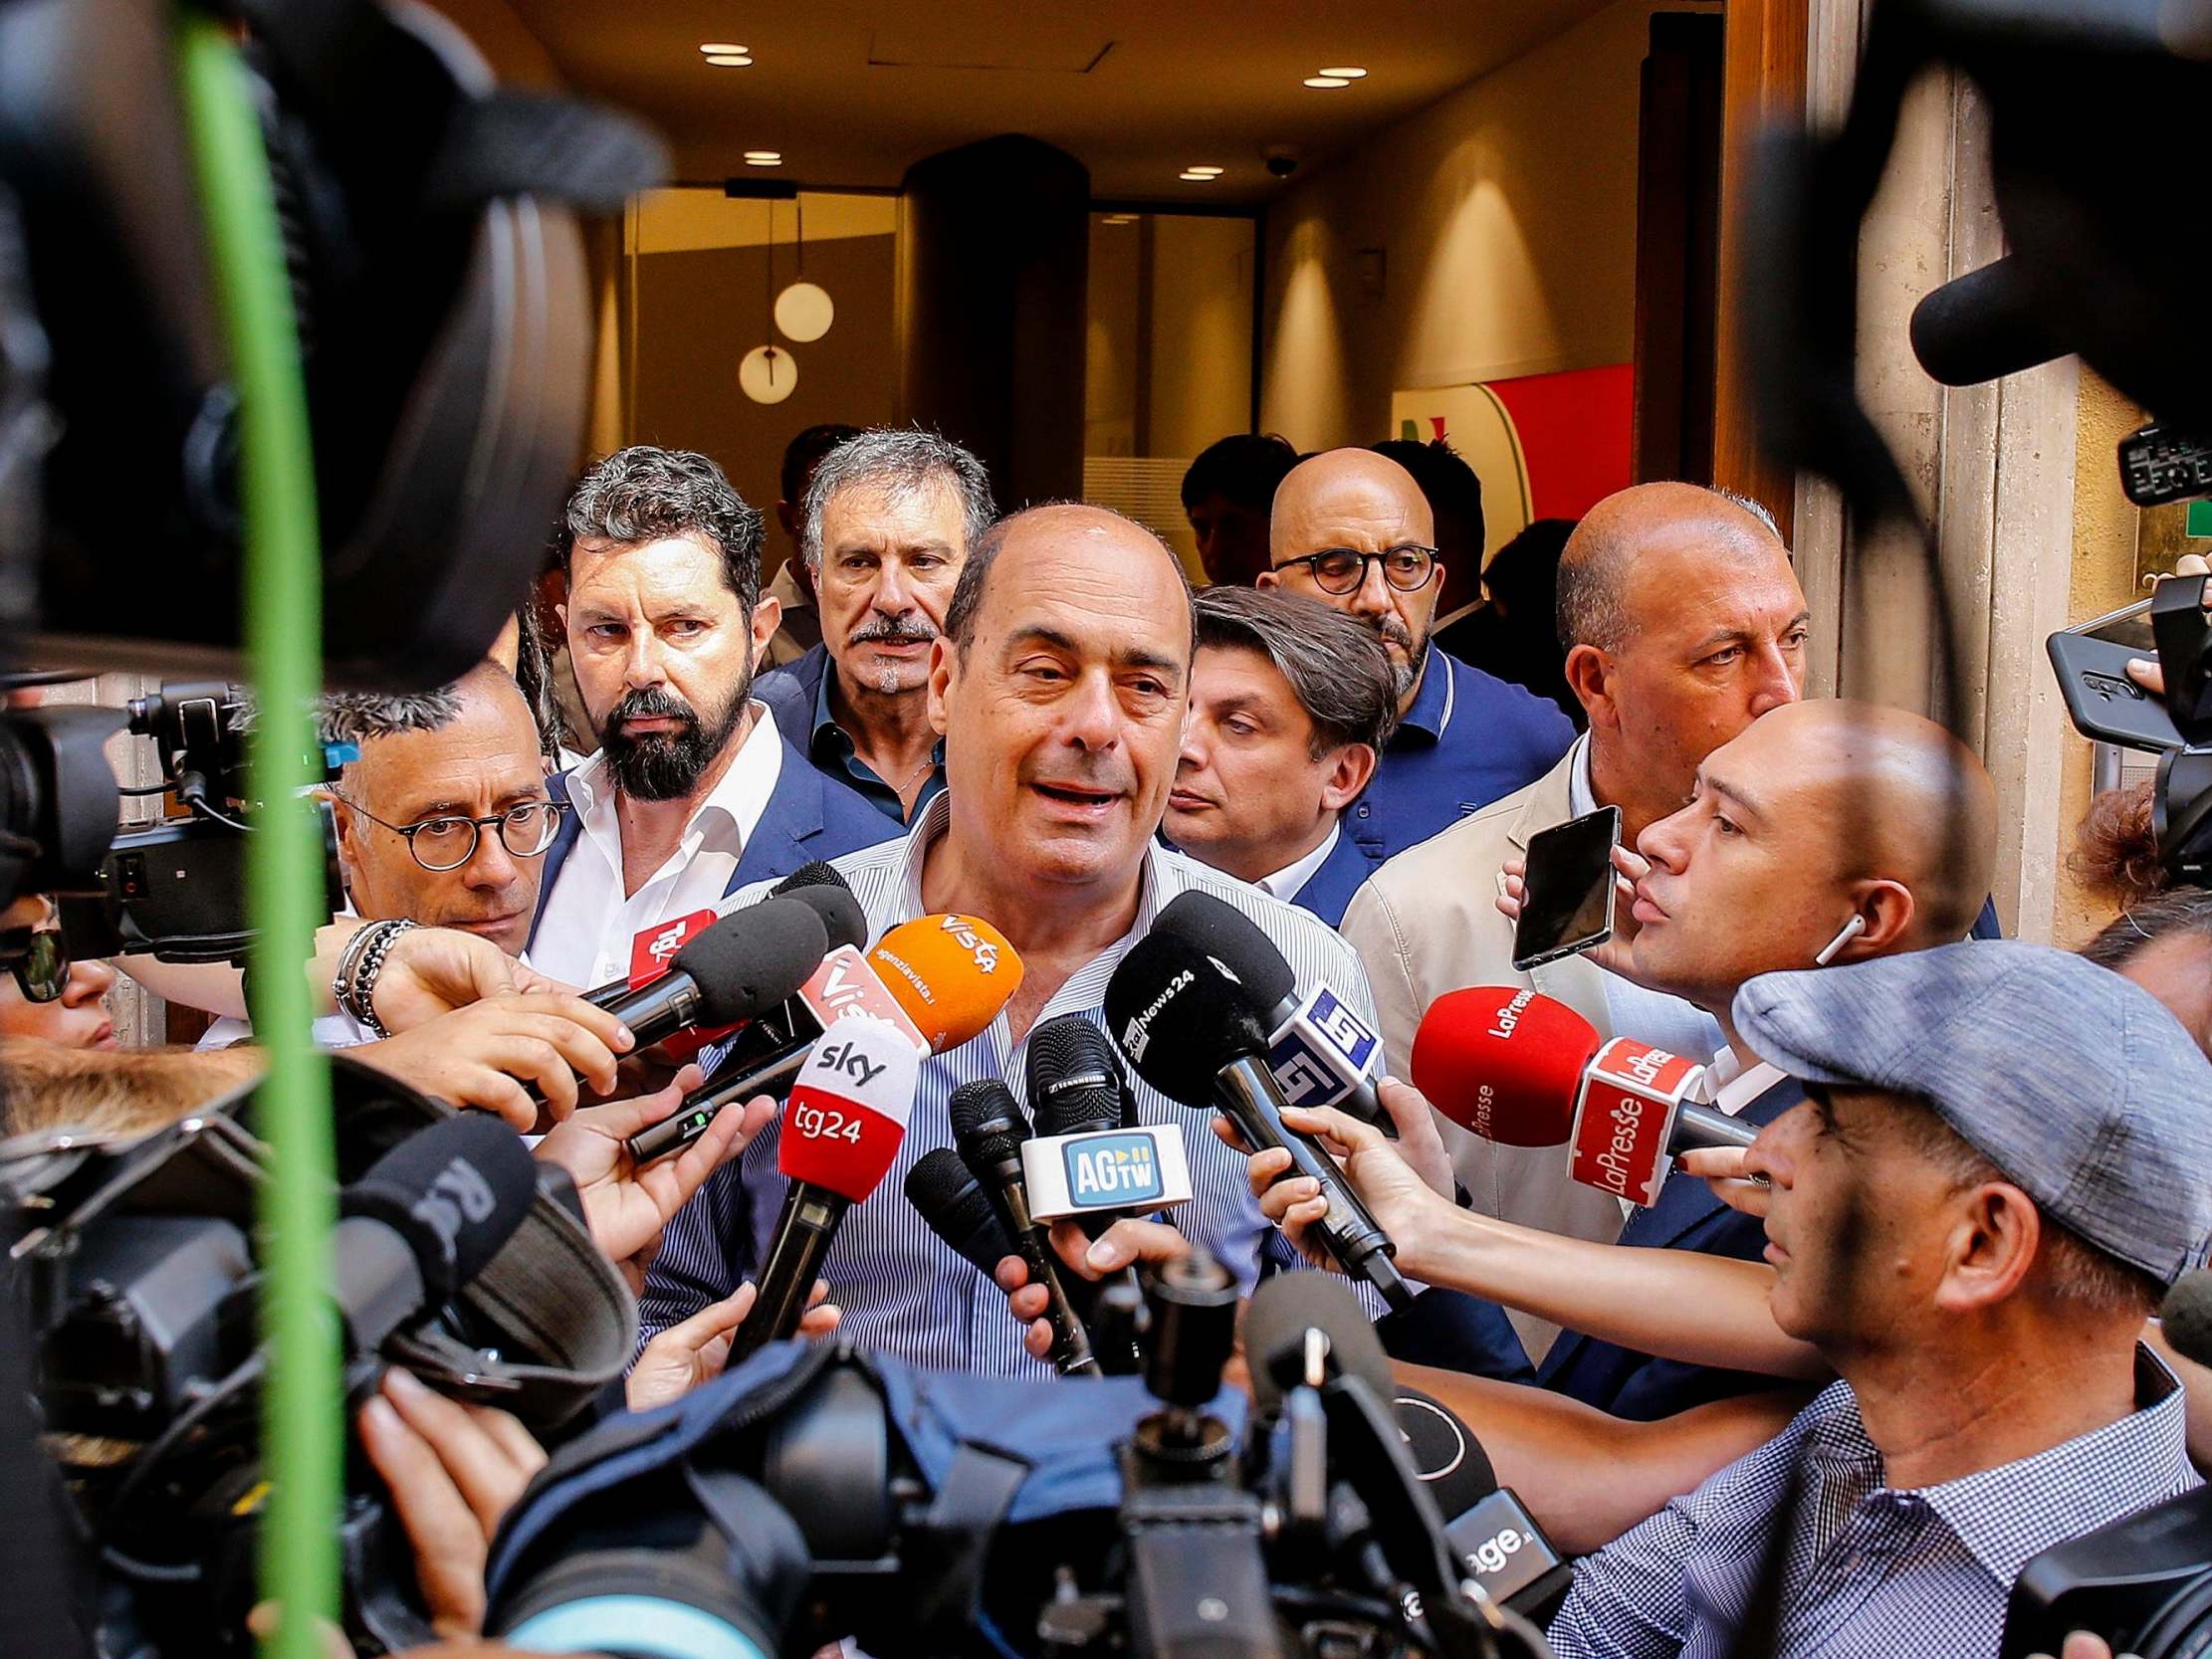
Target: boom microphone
x: 1189, y: 1028
x: 941, y: 978
x: 841, y: 1131
x: 989, y: 1129
x: 1518, y: 1068
x: 1982, y: 326
x: 425, y: 1218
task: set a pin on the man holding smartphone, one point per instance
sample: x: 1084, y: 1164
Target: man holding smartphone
x: 1684, y: 623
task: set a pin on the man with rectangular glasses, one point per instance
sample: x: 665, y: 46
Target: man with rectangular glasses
x: 1352, y: 530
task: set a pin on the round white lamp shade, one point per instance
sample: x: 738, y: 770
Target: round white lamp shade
x: 804, y: 312
x: 767, y: 374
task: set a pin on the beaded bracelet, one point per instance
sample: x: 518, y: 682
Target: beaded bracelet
x: 355, y: 987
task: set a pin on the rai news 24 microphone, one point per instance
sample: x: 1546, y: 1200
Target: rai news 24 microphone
x: 1515, y: 1067
x: 841, y: 1131
x: 1190, y: 1027
x: 1318, y: 1049
x: 941, y: 978
x: 424, y: 1219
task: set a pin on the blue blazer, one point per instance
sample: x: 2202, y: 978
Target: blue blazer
x: 1686, y: 1217
x: 791, y: 692
x: 1328, y: 891
x: 810, y: 816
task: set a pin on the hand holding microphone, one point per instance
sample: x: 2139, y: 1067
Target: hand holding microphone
x: 988, y: 1132
x: 1406, y: 1204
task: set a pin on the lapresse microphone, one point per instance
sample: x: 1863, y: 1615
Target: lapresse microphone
x: 424, y: 1218
x: 989, y: 1129
x: 940, y: 978
x: 958, y: 1210
x: 1318, y: 1049
x: 1516, y: 1067
x: 1090, y: 1160
x: 1190, y: 1027
x: 841, y: 1130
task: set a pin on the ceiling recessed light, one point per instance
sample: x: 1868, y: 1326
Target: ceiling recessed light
x: 1198, y: 178
x: 1327, y: 80
x: 714, y: 47
x: 1119, y: 219
x: 730, y: 60
x: 1203, y: 172
x: 763, y: 158
x: 1344, y: 74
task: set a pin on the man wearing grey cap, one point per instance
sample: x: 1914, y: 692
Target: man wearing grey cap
x: 2000, y: 1164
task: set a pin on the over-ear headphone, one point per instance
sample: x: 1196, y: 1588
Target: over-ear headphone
x: 1850, y: 931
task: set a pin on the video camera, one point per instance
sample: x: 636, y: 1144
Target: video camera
x: 818, y: 1493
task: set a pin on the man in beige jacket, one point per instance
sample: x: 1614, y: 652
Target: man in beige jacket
x: 1684, y: 623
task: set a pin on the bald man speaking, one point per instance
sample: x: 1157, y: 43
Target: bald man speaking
x: 1352, y: 530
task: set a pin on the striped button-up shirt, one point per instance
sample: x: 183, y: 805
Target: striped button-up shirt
x: 1867, y: 1571
x: 902, y: 1290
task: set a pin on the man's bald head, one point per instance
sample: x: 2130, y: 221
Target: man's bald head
x: 1644, y: 530
x: 1345, y: 491
x: 1094, y: 537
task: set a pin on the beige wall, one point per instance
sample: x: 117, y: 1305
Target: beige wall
x: 1506, y: 219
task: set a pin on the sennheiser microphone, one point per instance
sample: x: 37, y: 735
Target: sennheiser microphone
x: 940, y: 978
x: 958, y: 1211
x: 1516, y: 1067
x: 1189, y: 1028
x: 1090, y: 1160
x: 425, y: 1218
x: 1318, y: 1049
x: 989, y: 1127
x: 841, y: 1131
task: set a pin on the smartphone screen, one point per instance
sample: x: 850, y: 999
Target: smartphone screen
x: 1567, y: 902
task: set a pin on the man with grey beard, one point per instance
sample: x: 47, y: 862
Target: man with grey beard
x: 889, y: 518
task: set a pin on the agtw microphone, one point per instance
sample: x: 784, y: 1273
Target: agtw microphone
x: 1090, y: 1160
x: 1318, y: 1049
x: 929, y: 976
x: 989, y: 1129
x: 1516, y: 1067
x: 425, y: 1218
x: 1188, y: 1026
x: 841, y: 1132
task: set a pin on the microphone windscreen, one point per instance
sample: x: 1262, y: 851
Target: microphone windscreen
x: 1075, y: 1080
x: 1287, y: 1306
x: 1233, y: 939
x: 2186, y: 1317
x: 849, y: 1105
x: 1981, y: 326
x: 950, y: 973
x: 1445, y: 1454
x: 1180, y: 1016
x: 988, y: 1123
x: 819, y: 885
x: 1503, y: 1063
x: 950, y: 1198
x: 753, y: 958
x: 455, y: 1191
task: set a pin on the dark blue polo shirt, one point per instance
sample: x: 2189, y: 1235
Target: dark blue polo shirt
x: 1468, y: 740
x: 797, y: 694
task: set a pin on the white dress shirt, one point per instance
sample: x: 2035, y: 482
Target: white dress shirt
x: 1285, y: 883
x: 586, y: 924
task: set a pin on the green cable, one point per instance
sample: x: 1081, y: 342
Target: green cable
x: 303, y: 1431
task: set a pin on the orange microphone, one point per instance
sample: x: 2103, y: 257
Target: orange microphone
x: 938, y: 980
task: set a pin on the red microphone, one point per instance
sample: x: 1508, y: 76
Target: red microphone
x: 1518, y: 1068
x: 841, y: 1131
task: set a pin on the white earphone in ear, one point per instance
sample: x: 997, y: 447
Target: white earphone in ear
x: 1843, y: 935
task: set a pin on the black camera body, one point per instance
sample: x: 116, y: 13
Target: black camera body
x: 2143, y: 1583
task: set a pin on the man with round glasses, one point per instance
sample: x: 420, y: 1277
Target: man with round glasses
x: 1352, y: 530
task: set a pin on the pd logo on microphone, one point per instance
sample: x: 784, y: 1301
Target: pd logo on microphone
x: 1112, y: 1170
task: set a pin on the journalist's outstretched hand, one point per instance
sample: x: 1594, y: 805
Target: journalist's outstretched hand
x: 1405, y: 1183
x: 486, y: 1055
x: 453, y: 1471
x: 1127, y: 1243
x: 694, y: 1350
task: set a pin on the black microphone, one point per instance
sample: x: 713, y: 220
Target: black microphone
x: 425, y: 1218
x: 1317, y: 1048
x: 1488, y: 1527
x: 958, y: 1210
x: 748, y: 962
x: 1077, y: 1087
x: 816, y: 885
x: 1983, y: 324
x: 1189, y: 1027
x: 989, y: 1127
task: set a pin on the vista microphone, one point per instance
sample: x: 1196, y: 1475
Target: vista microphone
x: 424, y: 1219
x: 1318, y: 1049
x: 958, y: 1210
x: 1516, y: 1067
x: 940, y: 978
x: 989, y: 1129
x: 841, y: 1131
x: 1191, y: 1029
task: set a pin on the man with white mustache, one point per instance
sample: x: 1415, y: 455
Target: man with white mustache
x: 887, y: 524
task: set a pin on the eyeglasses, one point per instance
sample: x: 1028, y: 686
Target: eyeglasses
x: 42, y: 968
x: 448, y: 843
x: 1343, y: 570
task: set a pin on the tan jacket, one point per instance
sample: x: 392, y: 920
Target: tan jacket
x: 1427, y: 922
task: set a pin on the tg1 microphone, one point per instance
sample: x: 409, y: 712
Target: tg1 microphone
x: 1318, y: 1049
x: 941, y: 980
x: 1187, y: 1026
x: 744, y: 962
x: 1516, y: 1067
x: 989, y: 1130
x: 841, y: 1131
x: 425, y: 1218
